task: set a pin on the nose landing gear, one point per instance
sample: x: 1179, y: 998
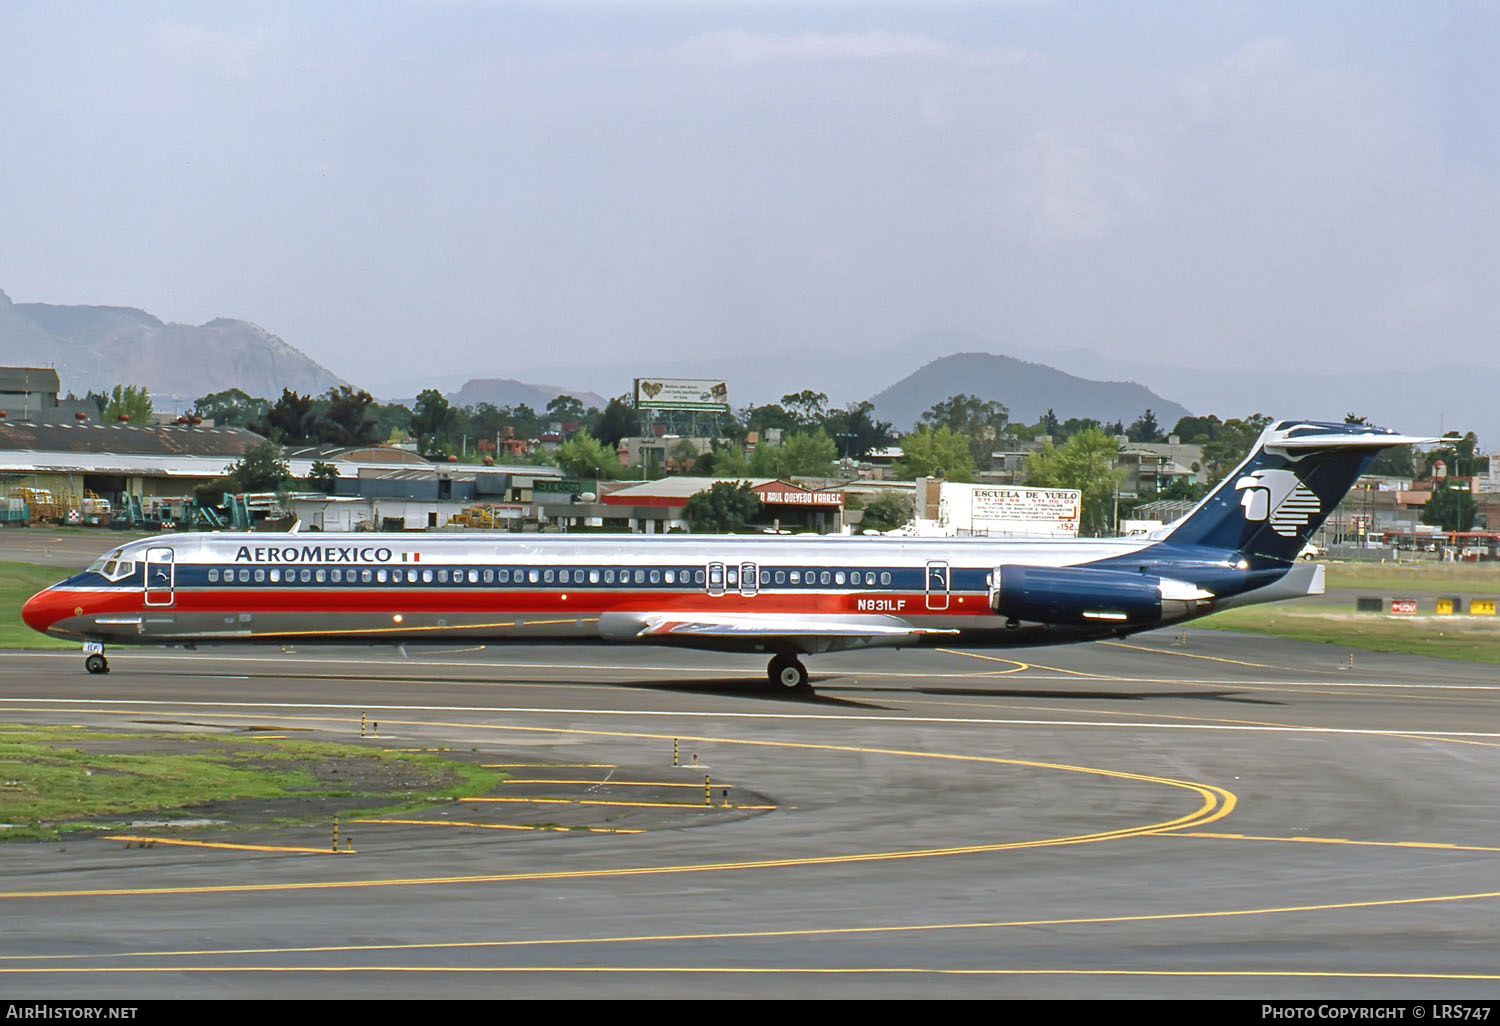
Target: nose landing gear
x: 93, y: 657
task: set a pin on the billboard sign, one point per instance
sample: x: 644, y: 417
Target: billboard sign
x: 681, y: 394
x: 1006, y: 505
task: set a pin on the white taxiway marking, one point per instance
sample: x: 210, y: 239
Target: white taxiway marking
x: 263, y: 707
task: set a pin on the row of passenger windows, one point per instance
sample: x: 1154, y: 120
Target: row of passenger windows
x: 681, y: 576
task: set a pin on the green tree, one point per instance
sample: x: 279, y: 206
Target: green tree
x: 232, y: 408
x: 806, y: 408
x: 290, y: 418
x: 1197, y: 430
x: 1144, y: 429
x: 727, y: 507
x: 981, y: 421
x: 857, y: 430
x: 726, y: 460
x: 346, y: 417
x: 1232, y: 444
x: 133, y: 402
x: 766, y: 418
x: 564, y: 408
x: 1451, y: 507
x: 619, y: 420
x: 926, y: 452
x: 1086, y: 462
x: 433, y: 422
x: 323, y: 475
x: 1457, y: 453
x: 887, y: 512
x: 583, y: 456
x: 810, y: 454
x: 260, y: 468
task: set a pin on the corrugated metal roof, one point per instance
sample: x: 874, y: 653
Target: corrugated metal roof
x: 30, y: 379
x: 136, y: 439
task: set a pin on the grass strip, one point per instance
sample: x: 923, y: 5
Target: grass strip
x: 55, y: 780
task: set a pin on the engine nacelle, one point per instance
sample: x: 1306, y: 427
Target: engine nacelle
x: 1084, y: 595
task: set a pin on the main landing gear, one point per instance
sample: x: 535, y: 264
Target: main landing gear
x: 788, y: 674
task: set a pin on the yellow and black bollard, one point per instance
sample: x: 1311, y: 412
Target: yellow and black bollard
x: 674, y: 751
x: 335, y: 835
x: 708, y: 798
x: 362, y: 724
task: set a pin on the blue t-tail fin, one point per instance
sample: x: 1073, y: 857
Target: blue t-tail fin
x: 1295, y: 475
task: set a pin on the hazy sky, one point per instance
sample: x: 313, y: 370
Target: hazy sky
x: 445, y: 187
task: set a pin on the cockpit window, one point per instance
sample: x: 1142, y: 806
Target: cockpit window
x: 117, y: 569
x: 98, y: 565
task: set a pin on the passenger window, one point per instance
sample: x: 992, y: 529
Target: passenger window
x: 562, y: 576
x: 275, y: 575
x: 364, y: 577
x: 593, y: 577
x: 534, y: 576
x: 305, y: 576
x: 838, y: 578
x: 260, y: 576
x: 503, y: 576
x: 697, y: 576
x: 796, y: 576
x: 380, y: 575
x: 870, y: 577
x: 640, y: 577
x: 426, y: 576
x: 732, y: 576
x: 885, y: 578
x: 443, y: 576
x: 656, y: 577
x: 547, y: 577
x: 781, y: 577
x: 213, y: 576
x: 671, y: 577
x: 244, y: 576
x: 320, y: 575
x: 338, y: 576
x: 489, y: 577
x: 609, y: 577
x: 473, y: 576
x: 823, y: 578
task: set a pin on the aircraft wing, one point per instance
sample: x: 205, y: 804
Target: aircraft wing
x: 749, y: 631
x: 771, y: 626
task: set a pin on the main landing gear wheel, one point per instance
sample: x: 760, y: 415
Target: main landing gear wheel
x: 788, y: 674
x: 96, y: 663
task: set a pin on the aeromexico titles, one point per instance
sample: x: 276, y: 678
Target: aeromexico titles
x: 787, y: 597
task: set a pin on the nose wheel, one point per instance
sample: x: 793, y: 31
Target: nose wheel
x: 96, y: 663
x: 788, y: 674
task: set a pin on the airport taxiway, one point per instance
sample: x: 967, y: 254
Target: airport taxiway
x: 1180, y: 814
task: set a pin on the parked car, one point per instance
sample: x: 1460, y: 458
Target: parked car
x: 1312, y: 550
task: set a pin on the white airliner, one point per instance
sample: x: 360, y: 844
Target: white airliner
x: 787, y: 597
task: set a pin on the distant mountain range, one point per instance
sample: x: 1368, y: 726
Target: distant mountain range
x: 509, y: 392
x: 95, y: 348
x: 1028, y: 391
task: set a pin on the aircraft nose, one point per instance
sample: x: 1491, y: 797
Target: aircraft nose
x: 43, y: 609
